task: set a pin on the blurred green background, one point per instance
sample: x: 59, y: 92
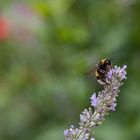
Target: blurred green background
x: 46, y: 46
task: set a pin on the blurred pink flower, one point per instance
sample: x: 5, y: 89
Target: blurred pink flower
x: 4, y: 28
x: 26, y: 24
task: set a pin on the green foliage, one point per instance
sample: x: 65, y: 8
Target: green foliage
x: 42, y: 84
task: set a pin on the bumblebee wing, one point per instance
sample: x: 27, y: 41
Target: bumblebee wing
x: 90, y: 72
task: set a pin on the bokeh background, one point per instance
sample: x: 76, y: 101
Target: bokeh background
x: 46, y: 46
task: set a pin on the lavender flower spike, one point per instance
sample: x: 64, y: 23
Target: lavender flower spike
x: 102, y: 103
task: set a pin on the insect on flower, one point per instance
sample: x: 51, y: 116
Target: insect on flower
x: 102, y: 102
x: 101, y: 70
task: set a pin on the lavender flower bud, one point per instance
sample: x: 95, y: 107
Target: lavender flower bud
x: 93, y: 100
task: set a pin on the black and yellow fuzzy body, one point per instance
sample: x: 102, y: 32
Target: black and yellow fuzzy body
x: 105, y: 64
x: 102, y: 68
x: 100, y: 75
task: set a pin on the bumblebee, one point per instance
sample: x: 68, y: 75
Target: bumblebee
x: 102, y: 68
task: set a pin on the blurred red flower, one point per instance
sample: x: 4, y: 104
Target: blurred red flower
x: 4, y: 28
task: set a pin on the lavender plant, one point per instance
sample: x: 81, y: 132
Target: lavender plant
x: 102, y: 103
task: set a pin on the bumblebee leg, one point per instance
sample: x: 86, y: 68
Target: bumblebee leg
x: 101, y: 80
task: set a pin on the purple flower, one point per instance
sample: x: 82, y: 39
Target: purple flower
x: 120, y: 72
x: 112, y: 107
x: 117, y: 72
x: 93, y: 100
x: 85, y: 116
x: 71, y: 133
x: 66, y: 132
x: 110, y: 74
